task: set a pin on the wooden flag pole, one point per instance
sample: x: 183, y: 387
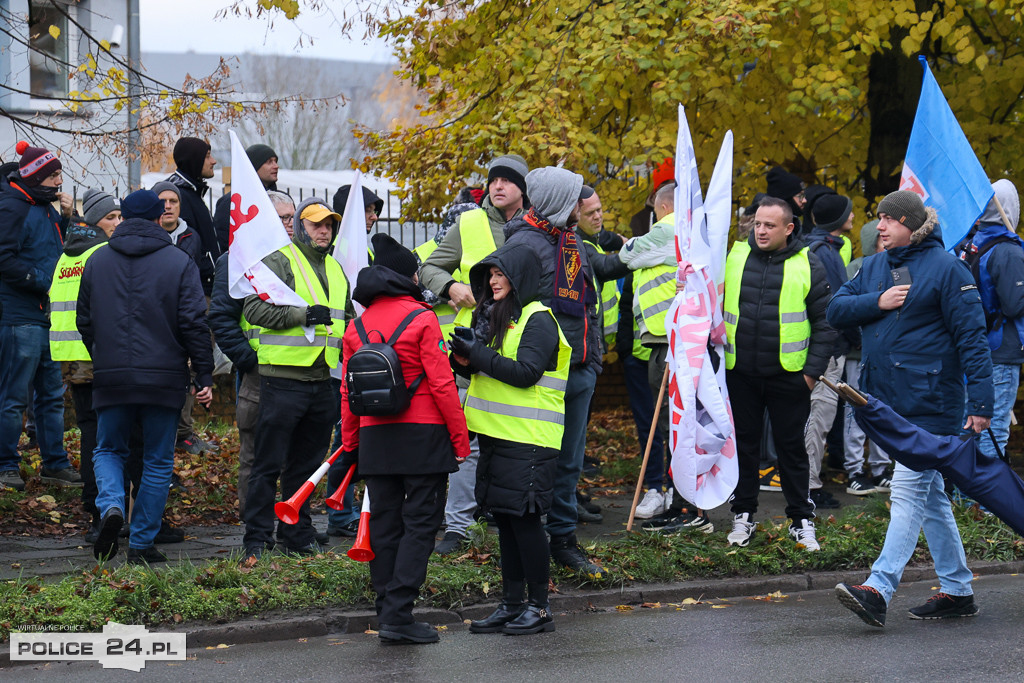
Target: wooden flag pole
x: 1002, y: 212
x: 647, y: 451
x: 305, y: 278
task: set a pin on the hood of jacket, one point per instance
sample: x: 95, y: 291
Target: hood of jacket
x: 302, y: 238
x: 375, y: 281
x: 185, y: 181
x: 554, y: 193
x: 178, y: 231
x: 81, y: 238
x: 519, y: 264
x: 868, y: 237
x: 821, y: 235
x: 1007, y: 195
x: 139, y: 237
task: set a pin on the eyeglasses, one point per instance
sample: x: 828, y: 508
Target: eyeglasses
x: 288, y: 218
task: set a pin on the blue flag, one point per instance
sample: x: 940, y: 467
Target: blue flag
x: 941, y: 166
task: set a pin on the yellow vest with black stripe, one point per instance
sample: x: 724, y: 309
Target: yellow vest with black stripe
x: 290, y: 346
x: 532, y: 415
x: 609, y: 307
x: 476, y: 242
x: 846, y: 251
x: 794, y: 326
x: 65, y: 340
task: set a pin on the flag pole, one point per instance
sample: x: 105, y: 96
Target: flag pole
x: 305, y: 278
x: 647, y: 451
x: 1002, y: 212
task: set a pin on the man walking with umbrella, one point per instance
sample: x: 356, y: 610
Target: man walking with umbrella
x: 923, y: 329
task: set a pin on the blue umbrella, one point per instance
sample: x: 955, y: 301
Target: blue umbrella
x: 988, y: 480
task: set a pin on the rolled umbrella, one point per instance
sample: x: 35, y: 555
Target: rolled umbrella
x: 988, y: 480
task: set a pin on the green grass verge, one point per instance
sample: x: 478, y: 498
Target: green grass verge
x: 223, y: 590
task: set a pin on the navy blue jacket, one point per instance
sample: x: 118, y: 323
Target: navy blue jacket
x: 915, y: 357
x: 1002, y: 289
x: 142, y: 316
x: 825, y: 246
x: 225, y: 313
x: 30, y: 245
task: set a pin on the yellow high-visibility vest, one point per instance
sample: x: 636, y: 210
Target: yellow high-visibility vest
x: 65, y: 339
x: 477, y: 242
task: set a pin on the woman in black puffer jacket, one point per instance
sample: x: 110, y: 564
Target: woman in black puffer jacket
x: 519, y: 362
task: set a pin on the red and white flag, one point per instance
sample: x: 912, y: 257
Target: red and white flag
x: 256, y: 232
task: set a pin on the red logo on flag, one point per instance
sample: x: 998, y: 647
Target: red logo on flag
x: 910, y: 181
x: 238, y: 219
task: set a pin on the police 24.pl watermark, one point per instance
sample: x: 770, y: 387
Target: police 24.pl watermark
x: 119, y: 646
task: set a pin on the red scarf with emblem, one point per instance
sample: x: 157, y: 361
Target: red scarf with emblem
x: 571, y: 294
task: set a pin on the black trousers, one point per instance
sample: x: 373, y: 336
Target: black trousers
x: 525, y: 554
x: 405, y: 514
x: 292, y: 436
x: 81, y: 396
x: 788, y: 401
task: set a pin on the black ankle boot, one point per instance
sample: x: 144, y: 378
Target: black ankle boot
x: 536, y: 617
x: 511, y: 606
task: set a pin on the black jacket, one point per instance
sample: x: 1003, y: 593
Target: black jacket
x: 195, y: 212
x: 225, y: 314
x: 142, y: 316
x: 757, y: 333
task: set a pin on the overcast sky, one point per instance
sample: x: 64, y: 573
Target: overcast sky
x: 184, y: 25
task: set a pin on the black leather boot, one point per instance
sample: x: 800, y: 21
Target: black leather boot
x: 536, y: 618
x: 511, y: 606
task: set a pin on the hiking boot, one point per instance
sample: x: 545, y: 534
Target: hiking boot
x: 864, y: 601
x: 689, y: 521
x: 399, y: 634
x: 883, y: 482
x: 12, y: 479
x: 534, y: 619
x: 861, y: 485
x: 566, y: 551
x: 168, y: 534
x: 348, y: 530
x: 743, y: 529
x: 145, y: 555
x: 822, y: 499
x: 803, y: 533
x: 451, y: 542
x: 67, y: 476
x: 652, y: 504
x: 588, y: 517
x: 770, y: 480
x: 945, y: 606
x: 110, y: 527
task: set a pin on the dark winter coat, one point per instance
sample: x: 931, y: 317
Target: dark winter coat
x: 195, y: 212
x: 515, y: 478
x: 225, y: 314
x: 757, y: 334
x: 189, y: 243
x: 915, y: 356
x: 431, y: 433
x: 30, y: 244
x: 1002, y: 280
x: 826, y: 246
x: 142, y: 316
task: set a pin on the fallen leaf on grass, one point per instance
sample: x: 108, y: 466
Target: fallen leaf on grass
x: 691, y: 601
x: 624, y: 608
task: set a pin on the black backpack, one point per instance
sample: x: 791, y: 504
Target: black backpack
x: 374, y: 377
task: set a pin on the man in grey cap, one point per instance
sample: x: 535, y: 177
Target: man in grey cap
x: 475, y: 234
x: 923, y: 329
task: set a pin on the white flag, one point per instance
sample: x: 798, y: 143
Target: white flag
x: 350, y: 247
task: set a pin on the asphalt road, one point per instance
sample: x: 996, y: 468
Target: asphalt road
x: 800, y: 637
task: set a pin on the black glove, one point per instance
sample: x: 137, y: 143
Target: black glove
x: 461, y: 346
x: 349, y: 458
x: 318, y: 315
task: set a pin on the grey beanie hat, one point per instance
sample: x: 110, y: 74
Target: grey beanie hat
x: 96, y: 204
x: 164, y: 186
x: 905, y: 207
x: 511, y: 167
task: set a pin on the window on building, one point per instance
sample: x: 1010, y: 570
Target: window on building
x: 48, y: 56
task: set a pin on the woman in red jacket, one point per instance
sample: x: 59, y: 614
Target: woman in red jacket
x: 405, y: 458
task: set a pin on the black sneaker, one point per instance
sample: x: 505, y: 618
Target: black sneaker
x: 67, y: 476
x: 168, y: 533
x: 586, y: 517
x: 566, y: 551
x: 883, y: 482
x: 823, y: 500
x: 349, y: 530
x: 451, y: 542
x: 860, y: 485
x: 689, y: 521
x: 188, y: 445
x: 12, y: 479
x: 666, y: 518
x: 945, y: 606
x: 398, y: 634
x: 864, y: 601
x: 145, y: 556
x: 106, y: 541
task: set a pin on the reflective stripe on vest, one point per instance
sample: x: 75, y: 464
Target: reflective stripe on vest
x: 65, y: 340
x: 290, y: 346
x: 531, y: 415
x: 794, y: 327
x: 251, y: 332
x: 609, y: 307
x: 655, y: 290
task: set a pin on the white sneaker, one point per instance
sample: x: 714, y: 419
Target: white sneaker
x: 804, y: 535
x: 652, y: 504
x: 742, y: 529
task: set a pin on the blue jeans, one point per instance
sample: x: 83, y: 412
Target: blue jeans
x: 578, y: 391
x: 1005, y: 378
x: 340, y: 518
x: 919, y: 501
x: 642, y: 404
x: 159, y: 425
x: 25, y: 362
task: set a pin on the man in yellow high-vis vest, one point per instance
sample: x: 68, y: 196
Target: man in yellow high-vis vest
x: 446, y: 273
x: 777, y: 344
x: 298, y: 408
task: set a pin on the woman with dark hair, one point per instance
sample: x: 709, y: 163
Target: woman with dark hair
x: 519, y: 363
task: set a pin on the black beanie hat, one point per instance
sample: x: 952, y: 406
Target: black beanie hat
x: 259, y: 154
x: 905, y: 207
x: 190, y: 155
x: 142, y: 204
x: 511, y: 167
x: 370, y: 198
x: 814, y: 192
x: 782, y: 184
x: 390, y: 254
x: 831, y: 211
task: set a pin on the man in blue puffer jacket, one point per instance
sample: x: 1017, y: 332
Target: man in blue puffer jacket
x: 923, y: 329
